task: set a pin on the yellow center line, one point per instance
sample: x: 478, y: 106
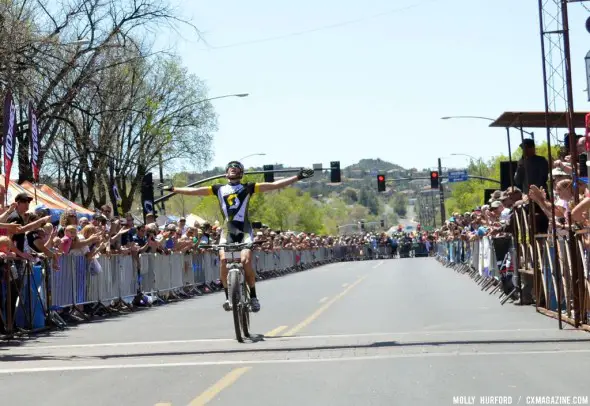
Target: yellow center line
x: 322, y: 309
x: 218, y: 386
x: 275, y: 331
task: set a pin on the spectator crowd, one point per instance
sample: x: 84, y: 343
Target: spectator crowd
x: 497, y: 218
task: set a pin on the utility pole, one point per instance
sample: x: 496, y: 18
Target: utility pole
x: 160, y: 163
x: 442, y: 193
x: 433, y: 210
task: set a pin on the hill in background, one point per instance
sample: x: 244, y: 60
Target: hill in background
x: 374, y: 164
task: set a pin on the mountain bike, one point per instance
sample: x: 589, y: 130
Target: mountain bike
x: 237, y: 288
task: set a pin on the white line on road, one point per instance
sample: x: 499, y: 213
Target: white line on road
x: 322, y: 300
x: 288, y: 361
x: 420, y: 332
x: 306, y: 337
x: 378, y: 265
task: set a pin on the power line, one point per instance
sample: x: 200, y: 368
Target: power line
x: 323, y: 28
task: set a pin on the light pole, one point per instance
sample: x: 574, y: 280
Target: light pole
x: 532, y: 134
x: 441, y: 194
x: 161, y: 164
x: 248, y: 156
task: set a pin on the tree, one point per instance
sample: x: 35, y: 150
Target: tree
x: 151, y: 113
x: 350, y: 195
x: 400, y: 204
x: 90, y: 70
x: 368, y: 198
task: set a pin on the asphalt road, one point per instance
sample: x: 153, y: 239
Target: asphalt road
x: 394, y: 332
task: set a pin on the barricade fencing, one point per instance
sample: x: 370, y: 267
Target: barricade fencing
x: 551, y: 273
x: 34, y: 298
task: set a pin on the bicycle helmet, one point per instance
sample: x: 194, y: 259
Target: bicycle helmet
x: 235, y: 164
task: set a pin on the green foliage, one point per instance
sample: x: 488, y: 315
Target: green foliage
x: 400, y: 203
x: 311, y: 207
x: 350, y: 196
x: 368, y: 198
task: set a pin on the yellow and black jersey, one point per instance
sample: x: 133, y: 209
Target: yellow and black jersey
x: 233, y: 201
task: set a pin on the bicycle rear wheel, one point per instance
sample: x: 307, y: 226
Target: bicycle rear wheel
x: 234, y: 285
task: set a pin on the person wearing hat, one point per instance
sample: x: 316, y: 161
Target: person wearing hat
x: 234, y: 198
x: 533, y: 170
x: 495, y: 196
x: 559, y: 174
x: 496, y: 208
x: 150, y: 218
x: 182, y: 225
x: 21, y: 217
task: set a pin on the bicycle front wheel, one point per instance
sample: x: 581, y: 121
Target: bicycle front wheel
x: 245, y: 312
x: 234, y: 284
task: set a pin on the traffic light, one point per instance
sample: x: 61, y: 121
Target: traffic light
x: 147, y: 194
x: 382, y: 223
x: 269, y: 176
x: 335, y: 172
x: 434, y: 179
x: 362, y: 225
x: 381, y: 183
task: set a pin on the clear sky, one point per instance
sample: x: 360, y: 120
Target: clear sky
x: 373, y: 89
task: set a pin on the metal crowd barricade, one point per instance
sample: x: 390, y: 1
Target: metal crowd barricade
x: 80, y: 282
x: 533, y: 259
x: 384, y: 251
x: 553, y: 279
x: 82, y: 287
x: 478, y: 258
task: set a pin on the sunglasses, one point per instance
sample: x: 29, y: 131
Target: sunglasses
x: 234, y: 166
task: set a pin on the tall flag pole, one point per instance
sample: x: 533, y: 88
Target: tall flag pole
x: 9, y: 139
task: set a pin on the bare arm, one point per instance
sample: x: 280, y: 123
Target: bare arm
x: 35, y: 224
x: 279, y: 184
x: 193, y: 191
x: 7, y: 213
x: 43, y: 248
x: 578, y: 211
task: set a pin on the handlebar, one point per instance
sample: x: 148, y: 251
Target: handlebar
x: 229, y: 247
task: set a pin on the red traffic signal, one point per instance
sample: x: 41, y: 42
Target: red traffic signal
x: 434, y: 180
x: 381, y: 183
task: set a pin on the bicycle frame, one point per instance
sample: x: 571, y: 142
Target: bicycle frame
x: 238, y: 291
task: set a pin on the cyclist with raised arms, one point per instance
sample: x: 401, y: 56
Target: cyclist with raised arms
x: 233, y: 200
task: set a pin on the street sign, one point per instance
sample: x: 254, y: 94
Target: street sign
x: 457, y: 176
